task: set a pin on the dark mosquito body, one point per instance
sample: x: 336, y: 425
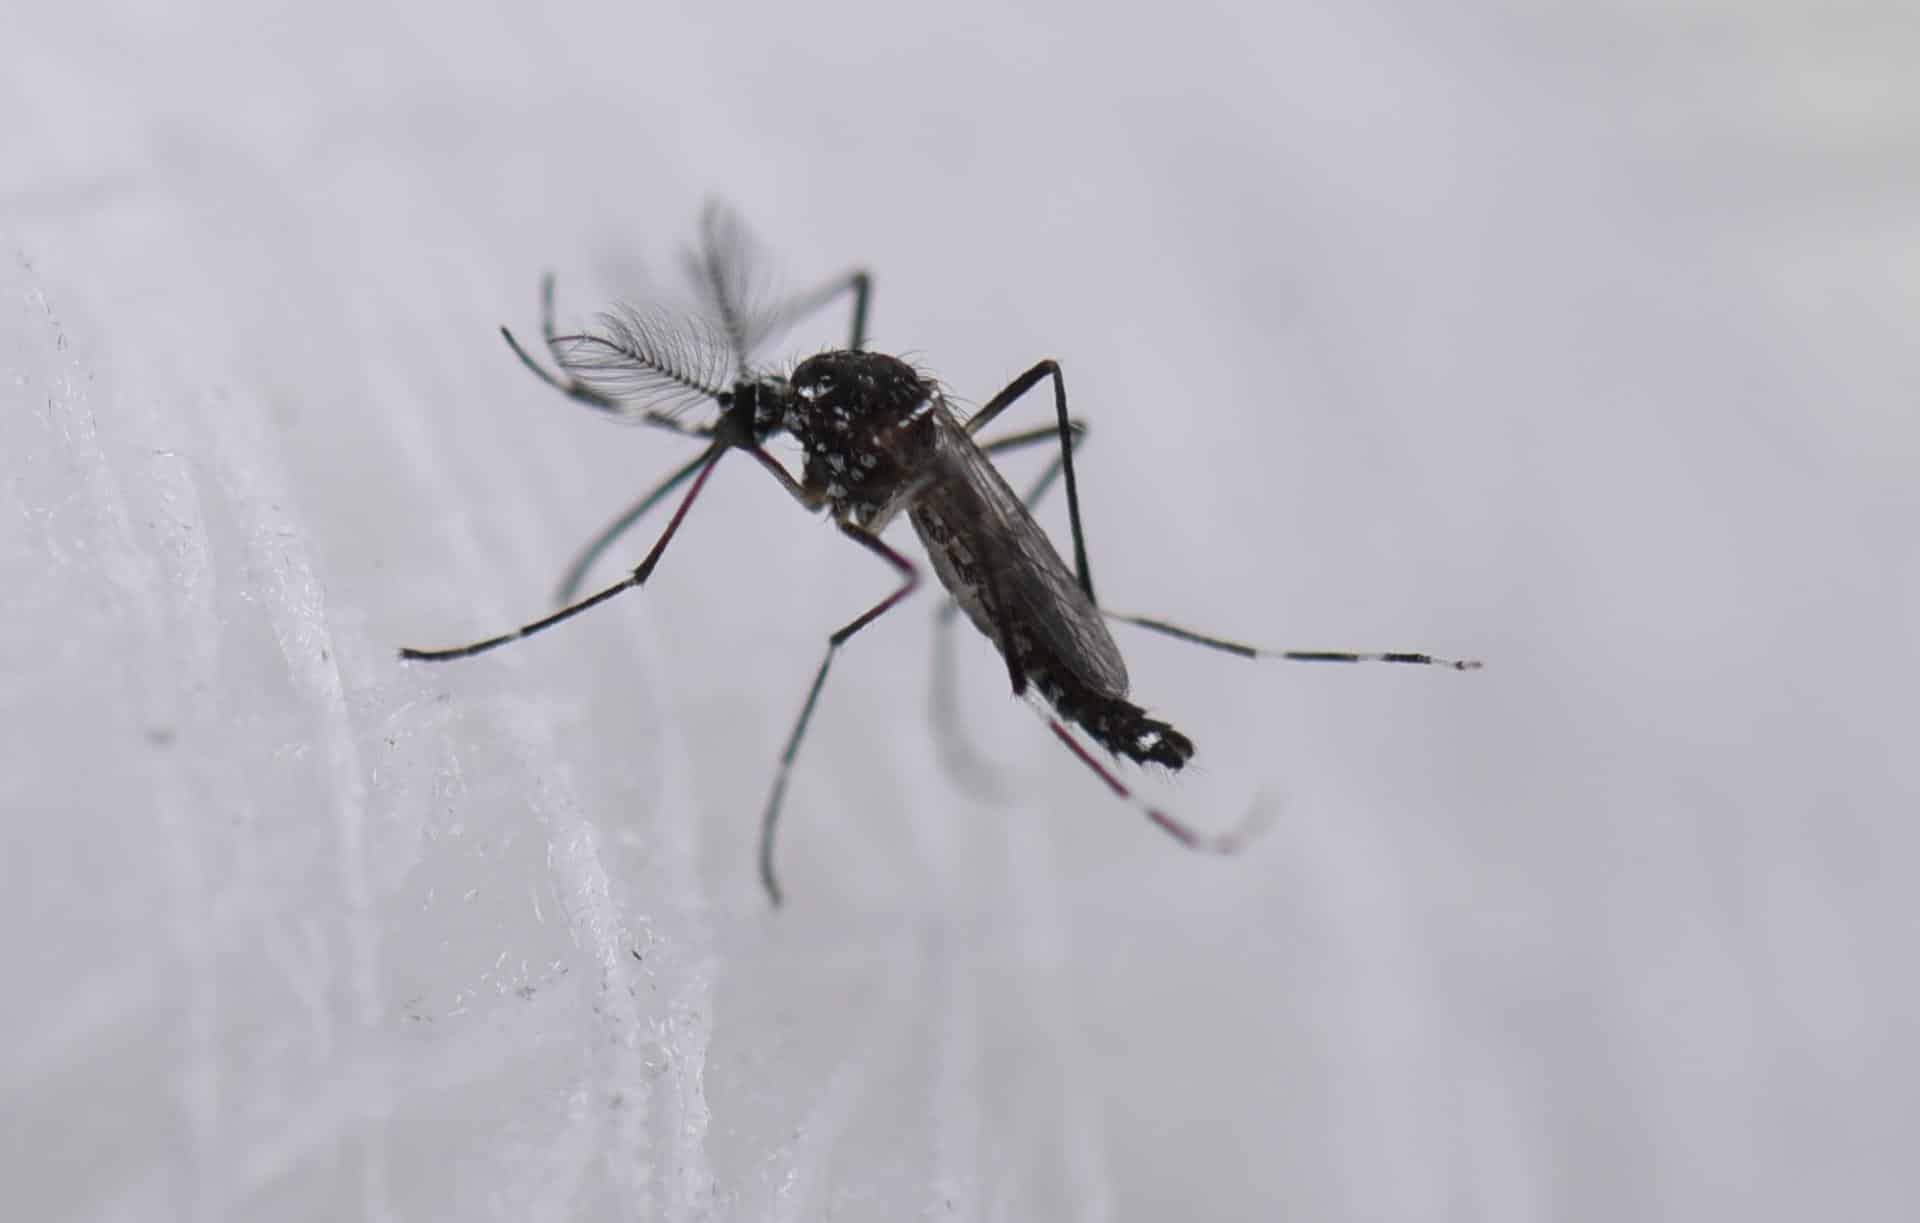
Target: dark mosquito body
x: 880, y: 439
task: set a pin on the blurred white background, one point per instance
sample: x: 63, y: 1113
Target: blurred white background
x: 1573, y: 338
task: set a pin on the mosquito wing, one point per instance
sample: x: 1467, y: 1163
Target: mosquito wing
x: 729, y: 270
x: 1002, y: 568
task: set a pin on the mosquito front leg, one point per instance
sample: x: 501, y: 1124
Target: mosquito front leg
x: 577, y: 571
x: 633, y: 580
x: 809, y: 499
x: 909, y: 579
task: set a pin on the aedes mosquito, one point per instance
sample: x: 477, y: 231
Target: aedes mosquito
x: 880, y: 438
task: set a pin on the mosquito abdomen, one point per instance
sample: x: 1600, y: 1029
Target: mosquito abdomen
x: 1115, y: 723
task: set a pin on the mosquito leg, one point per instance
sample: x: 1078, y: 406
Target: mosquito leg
x: 1032, y: 437
x: 909, y: 579
x: 1000, y: 403
x: 808, y: 499
x: 633, y: 580
x: 1230, y: 842
x: 1047, y: 477
x: 1015, y: 441
x: 573, y: 388
x: 1248, y: 651
x: 968, y: 768
x: 856, y: 282
x: 570, y: 387
x: 577, y: 571
x: 862, y: 294
x: 1052, y: 473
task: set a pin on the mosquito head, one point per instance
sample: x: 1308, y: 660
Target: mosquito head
x: 757, y: 408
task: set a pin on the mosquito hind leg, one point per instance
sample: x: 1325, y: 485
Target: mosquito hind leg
x: 769, y: 820
x: 1231, y: 841
x: 1241, y: 650
x: 1152, y: 624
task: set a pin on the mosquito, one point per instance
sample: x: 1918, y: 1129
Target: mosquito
x: 880, y: 439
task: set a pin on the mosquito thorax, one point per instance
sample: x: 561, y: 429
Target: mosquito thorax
x: 844, y: 392
x: 864, y: 420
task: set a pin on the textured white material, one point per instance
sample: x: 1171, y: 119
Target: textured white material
x: 1582, y: 344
